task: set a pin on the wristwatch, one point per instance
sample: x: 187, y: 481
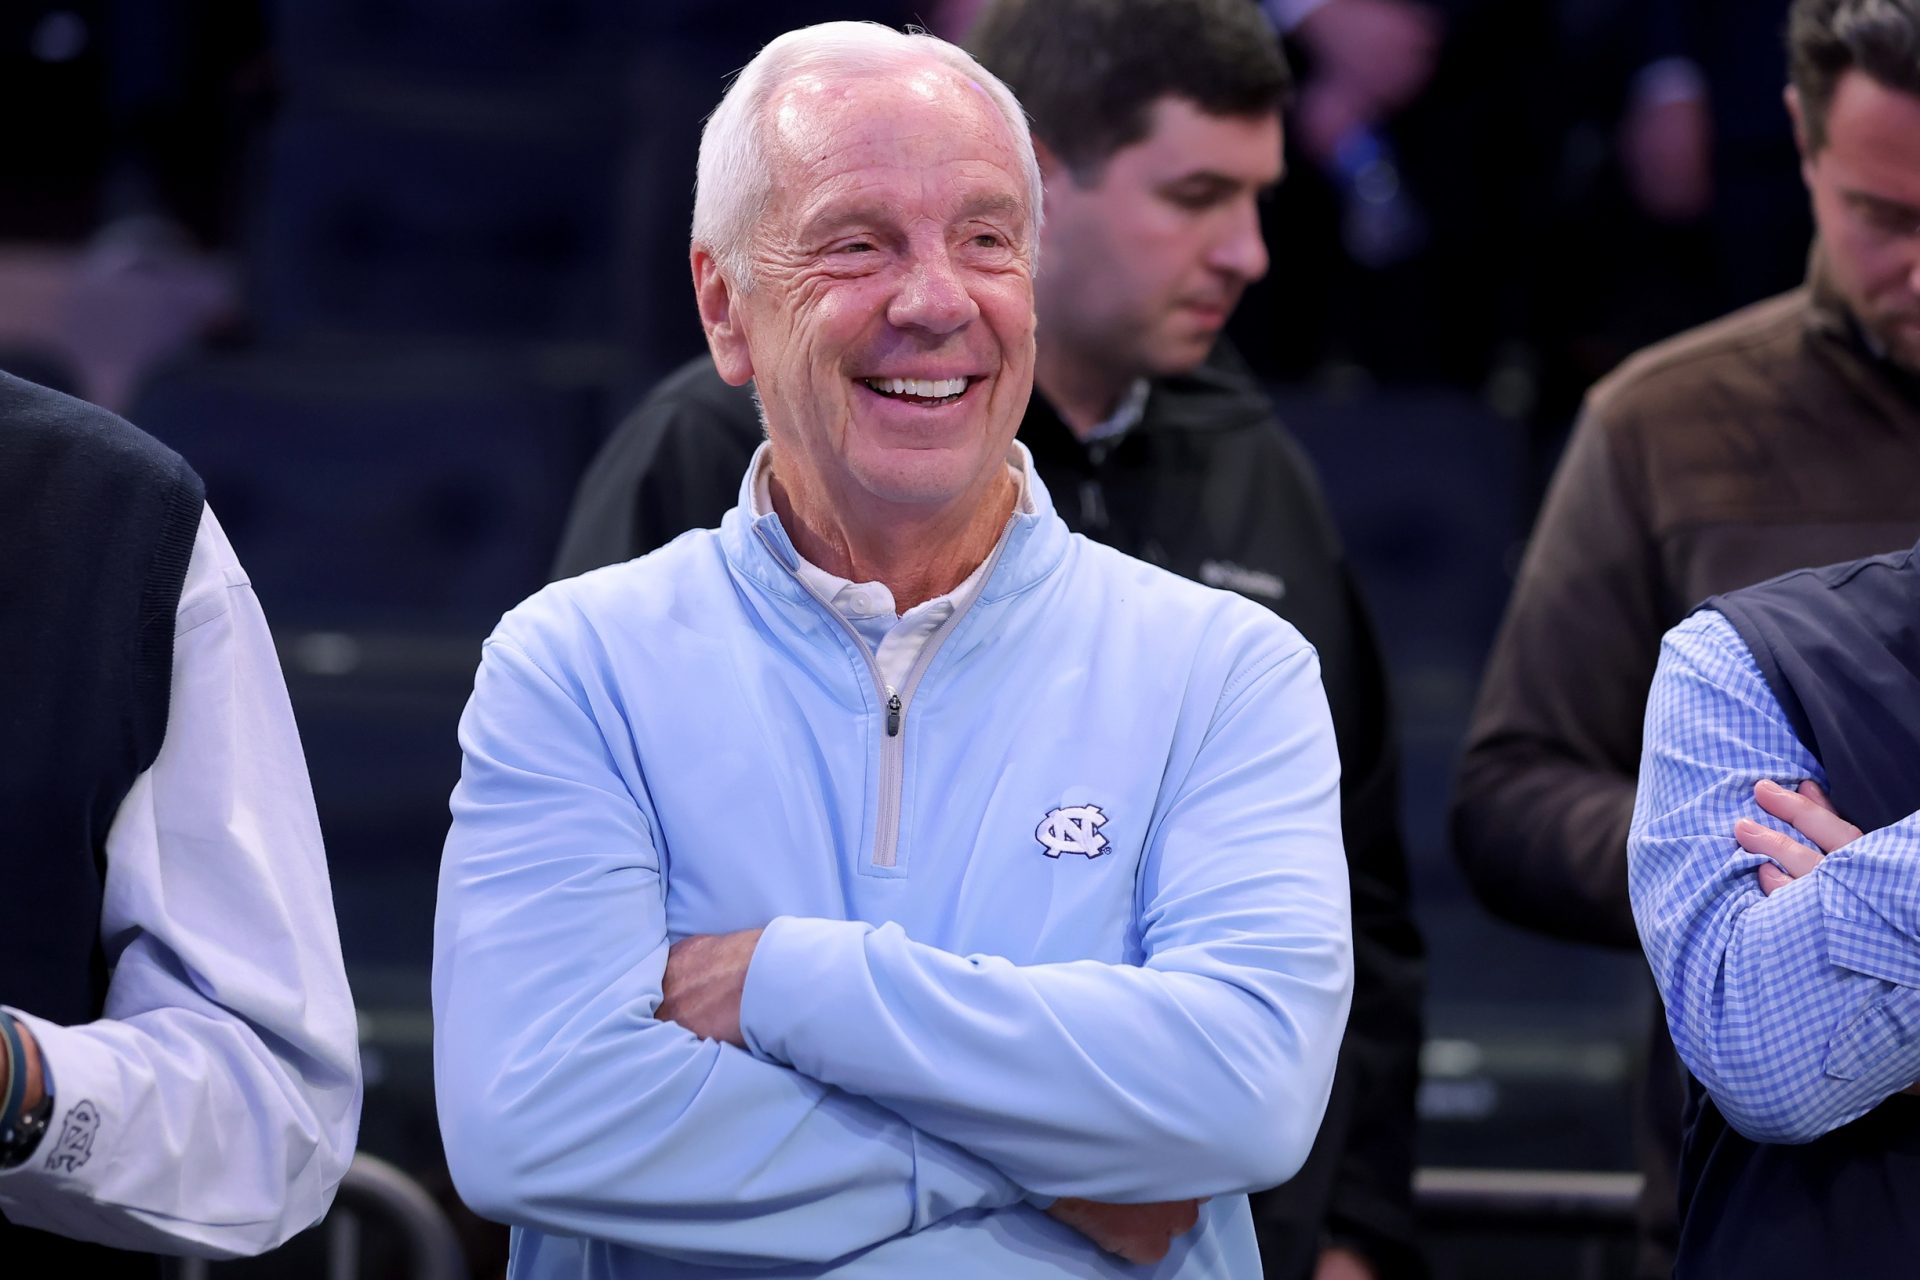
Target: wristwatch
x: 19, y: 1142
x: 20, y: 1131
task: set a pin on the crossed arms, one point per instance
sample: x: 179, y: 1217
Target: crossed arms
x: 941, y: 1083
x: 1791, y: 974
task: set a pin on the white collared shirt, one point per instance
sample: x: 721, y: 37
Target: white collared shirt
x: 896, y: 639
x: 1125, y: 416
x: 213, y: 1109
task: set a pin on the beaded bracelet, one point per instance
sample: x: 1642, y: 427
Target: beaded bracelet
x: 16, y: 1076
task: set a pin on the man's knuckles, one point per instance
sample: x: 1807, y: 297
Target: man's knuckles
x: 1136, y: 1232
x: 1808, y: 811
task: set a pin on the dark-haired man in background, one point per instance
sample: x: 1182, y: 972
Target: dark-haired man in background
x: 1157, y: 124
x: 1782, y: 436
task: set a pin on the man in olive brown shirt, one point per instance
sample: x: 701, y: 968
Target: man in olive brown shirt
x: 1785, y: 435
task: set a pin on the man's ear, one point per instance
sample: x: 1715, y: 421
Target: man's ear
x: 1051, y: 167
x: 1797, y: 113
x: 720, y: 317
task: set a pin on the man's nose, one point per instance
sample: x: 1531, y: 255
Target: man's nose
x: 933, y: 296
x: 1240, y: 250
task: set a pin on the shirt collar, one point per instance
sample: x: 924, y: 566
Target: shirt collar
x: 871, y: 598
x: 1125, y: 416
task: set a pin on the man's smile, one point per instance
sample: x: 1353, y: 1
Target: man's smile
x: 931, y: 392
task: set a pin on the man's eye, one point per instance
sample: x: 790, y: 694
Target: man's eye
x: 1196, y: 199
x: 1884, y: 217
x: 987, y: 240
x: 856, y: 246
x: 1892, y: 220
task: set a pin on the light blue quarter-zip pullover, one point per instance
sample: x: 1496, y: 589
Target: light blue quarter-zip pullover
x: 1065, y: 913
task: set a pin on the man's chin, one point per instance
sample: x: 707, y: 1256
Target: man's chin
x: 1896, y: 334
x: 924, y: 478
x: 1183, y: 352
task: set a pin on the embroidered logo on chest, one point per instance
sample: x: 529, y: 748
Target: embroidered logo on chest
x: 1074, y: 829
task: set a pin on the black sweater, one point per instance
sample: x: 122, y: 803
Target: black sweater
x: 99, y: 523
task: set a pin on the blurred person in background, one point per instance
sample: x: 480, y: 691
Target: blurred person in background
x: 128, y: 129
x: 1781, y: 436
x: 179, y: 1065
x: 737, y: 966
x: 1781, y: 935
x: 1673, y: 168
x: 1154, y: 439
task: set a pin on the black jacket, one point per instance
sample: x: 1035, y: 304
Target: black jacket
x: 1207, y: 485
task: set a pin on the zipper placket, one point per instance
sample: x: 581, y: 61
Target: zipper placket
x: 893, y: 746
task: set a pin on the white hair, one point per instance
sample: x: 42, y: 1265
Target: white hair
x: 734, y: 182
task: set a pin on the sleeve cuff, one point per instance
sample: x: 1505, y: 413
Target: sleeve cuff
x: 61, y: 1168
x: 948, y: 1180
x: 797, y: 965
x: 1860, y: 938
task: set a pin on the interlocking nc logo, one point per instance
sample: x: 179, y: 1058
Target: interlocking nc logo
x: 1075, y: 829
x: 75, y: 1147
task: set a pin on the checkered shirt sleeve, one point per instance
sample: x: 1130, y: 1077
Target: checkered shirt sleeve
x: 1798, y: 1011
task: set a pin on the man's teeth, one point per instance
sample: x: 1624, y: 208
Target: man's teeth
x: 928, y: 389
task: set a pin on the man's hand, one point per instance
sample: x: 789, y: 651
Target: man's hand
x: 705, y: 975
x: 1136, y: 1232
x: 1807, y: 811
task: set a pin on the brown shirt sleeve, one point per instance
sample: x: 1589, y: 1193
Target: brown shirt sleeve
x: 1545, y: 790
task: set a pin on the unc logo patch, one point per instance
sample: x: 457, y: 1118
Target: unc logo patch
x: 1074, y: 829
x: 75, y: 1146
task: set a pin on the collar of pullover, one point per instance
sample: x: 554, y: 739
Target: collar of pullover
x: 759, y: 549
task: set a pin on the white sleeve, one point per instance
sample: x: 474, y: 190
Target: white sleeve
x: 212, y: 1110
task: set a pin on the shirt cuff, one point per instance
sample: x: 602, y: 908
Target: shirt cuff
x: 796, y: 965
x: 948, y: 1180
x: 44, y: 1189
x: 1860, y: 938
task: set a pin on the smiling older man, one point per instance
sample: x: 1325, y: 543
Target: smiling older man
x: 889, y: 882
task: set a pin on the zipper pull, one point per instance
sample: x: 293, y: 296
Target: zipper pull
x: 893, y: 714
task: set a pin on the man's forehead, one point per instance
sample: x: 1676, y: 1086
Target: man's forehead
x: 1874, y: 131
x: 845, y: 146
x: 808, y: 109
x: 1182, y: 133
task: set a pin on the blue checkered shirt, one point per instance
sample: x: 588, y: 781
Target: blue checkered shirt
x: 1800, y: 1011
